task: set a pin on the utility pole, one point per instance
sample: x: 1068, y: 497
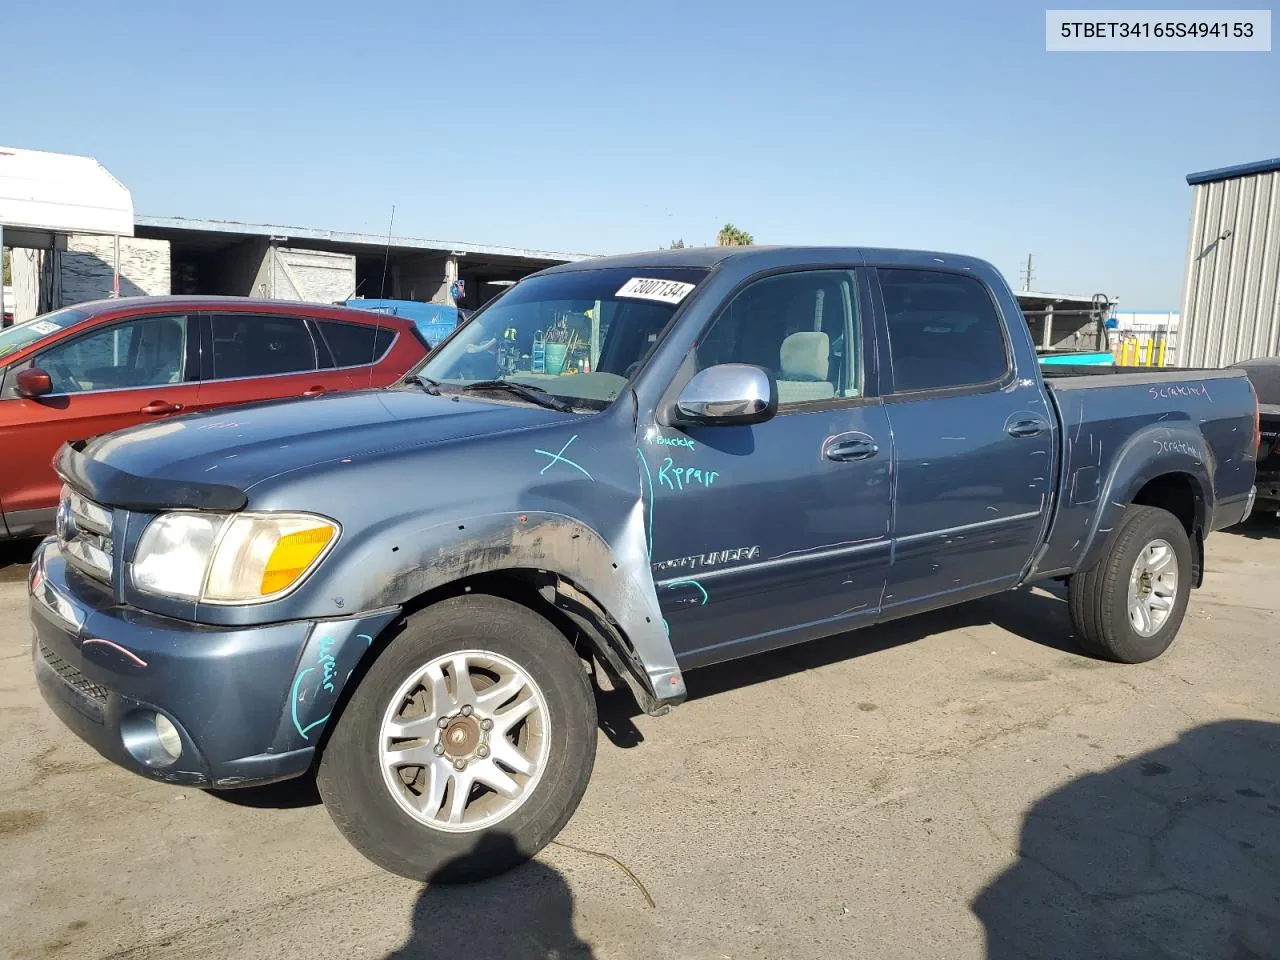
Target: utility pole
x: 1027, y: 275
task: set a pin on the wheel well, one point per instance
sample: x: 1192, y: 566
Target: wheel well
x: 1179, y: 494
x: 589, y: 628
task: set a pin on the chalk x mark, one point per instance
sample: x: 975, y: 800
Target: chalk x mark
x: 561, y: 458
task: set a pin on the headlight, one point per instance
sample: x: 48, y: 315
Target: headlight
x: 229, y: 558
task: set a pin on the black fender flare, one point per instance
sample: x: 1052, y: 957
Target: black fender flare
x: 402, y: 559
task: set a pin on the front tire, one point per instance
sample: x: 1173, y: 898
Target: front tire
x: 1129, y: 606
x: 466, y: 747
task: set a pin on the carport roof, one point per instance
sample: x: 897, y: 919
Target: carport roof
x: 235, y: 228
x: 52, y: 193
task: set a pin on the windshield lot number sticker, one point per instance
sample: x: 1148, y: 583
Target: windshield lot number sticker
x: 664, y: 291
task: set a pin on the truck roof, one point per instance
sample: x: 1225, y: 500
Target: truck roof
x: 764, y: 257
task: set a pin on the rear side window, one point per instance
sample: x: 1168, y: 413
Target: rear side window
x: 354, y: 344
x: 248, y: 345
x: 944, y: 331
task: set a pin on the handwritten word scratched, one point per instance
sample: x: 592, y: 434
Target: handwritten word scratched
x: 1176, y: 390
x: 713, y: 559
x: 1177, y: 446
x: 678, y: 478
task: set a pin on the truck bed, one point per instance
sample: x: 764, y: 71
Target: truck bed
x: 1113, y: 418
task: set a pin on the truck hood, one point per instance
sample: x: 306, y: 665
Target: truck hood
x: 239, y: 446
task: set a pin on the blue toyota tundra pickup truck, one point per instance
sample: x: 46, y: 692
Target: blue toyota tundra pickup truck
x: 641, y: 465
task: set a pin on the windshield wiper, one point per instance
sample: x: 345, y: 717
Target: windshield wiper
x: 430, y: 386
x: 533, y: 394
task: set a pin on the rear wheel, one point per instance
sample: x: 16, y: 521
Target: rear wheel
x: 1129, y: 606
x: 466, y: 747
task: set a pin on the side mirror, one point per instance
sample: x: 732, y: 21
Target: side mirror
x: 33, y: 382
x: 727, y: 394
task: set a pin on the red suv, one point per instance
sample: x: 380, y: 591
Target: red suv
x: 98, y: 367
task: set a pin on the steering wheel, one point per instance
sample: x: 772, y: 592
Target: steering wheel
x: 64, y: 375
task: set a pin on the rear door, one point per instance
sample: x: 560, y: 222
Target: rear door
x: 251, y: 356
x: 972, y: 448
x: 111, y: 376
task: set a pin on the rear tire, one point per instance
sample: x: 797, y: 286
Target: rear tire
x: 390, y: 775
x: 1129, y: 606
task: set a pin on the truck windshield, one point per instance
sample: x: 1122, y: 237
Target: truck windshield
x: 29, y: 331
x: 579, y: 335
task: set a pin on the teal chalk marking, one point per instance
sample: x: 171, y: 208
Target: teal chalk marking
x: 665, y: 627
x: 365, y: 637
x: 644, y: 463
x: 561, y: 458
x: 691, y: 583
x: 293, y: 706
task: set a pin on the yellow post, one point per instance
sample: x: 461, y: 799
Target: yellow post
x: 1163, y: 345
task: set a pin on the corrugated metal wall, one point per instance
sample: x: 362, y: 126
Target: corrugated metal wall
x: 1231, y: 301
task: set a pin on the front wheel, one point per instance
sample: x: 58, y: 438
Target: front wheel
x: 1129, y: 606
x: 466, y: 747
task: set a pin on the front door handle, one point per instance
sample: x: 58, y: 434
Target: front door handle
x: 313, y: 391
x: 1026, y: 428
x: 852, y: 450
x: 157, y: 407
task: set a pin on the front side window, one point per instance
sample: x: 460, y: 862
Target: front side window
x: 579, y: 336
x: 147, y: 352
x: 801, y: 326
x: 252, y: 345
x: 944, y: 331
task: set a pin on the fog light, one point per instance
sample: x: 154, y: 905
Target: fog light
x: 167, y: 734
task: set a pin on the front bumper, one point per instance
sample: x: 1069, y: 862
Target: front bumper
x: 249, y: 704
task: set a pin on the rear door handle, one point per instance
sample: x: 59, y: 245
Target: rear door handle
x: 852, y: 450
x: 157, y: 407
x: 313, y: 391
x: 1026, y: 428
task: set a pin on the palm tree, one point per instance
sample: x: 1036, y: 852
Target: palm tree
x: 731, y: 236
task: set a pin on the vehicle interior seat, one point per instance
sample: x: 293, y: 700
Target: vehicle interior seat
x: 804, y: 362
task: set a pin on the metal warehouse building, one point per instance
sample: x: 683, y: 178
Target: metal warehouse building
x: 1231, y: 299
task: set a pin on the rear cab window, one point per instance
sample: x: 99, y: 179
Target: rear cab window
x: 944, y: 330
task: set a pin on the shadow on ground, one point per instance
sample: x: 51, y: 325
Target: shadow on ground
x: 525, y: 914
x: 15, y: 556
x: 1038, y: 616
x: 1260, y: 526
x: 1173, y: 853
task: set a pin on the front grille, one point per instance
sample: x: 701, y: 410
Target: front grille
x: 73, y: 677
x: 84, y: 533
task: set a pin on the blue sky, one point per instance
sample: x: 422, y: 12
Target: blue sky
x: 607, y: 127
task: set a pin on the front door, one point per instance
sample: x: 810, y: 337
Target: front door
x: 973, y: 448
x: 131, y: 371
x: 776, y: 532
